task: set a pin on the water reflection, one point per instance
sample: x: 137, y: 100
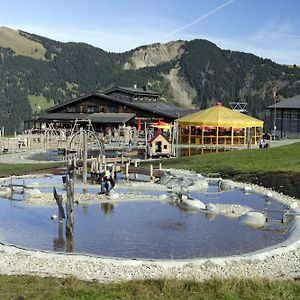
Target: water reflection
x: 210, y: 216
x: 59, y: 242
x: 107, y: 209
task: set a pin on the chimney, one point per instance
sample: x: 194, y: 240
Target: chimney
x: 134, y: 86
x: 144, y: 88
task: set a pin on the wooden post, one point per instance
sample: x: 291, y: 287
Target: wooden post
x: 126, y: 171
x: 69, y: 207
x: 84, y: 171
x: 113, y: 170
x: 160, y: 166
x: 75, y: 164
x: 151, y: 173
x: 146, y: 141
x: 135, y: 163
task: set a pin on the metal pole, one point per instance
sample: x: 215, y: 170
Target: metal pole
x: 274, y: 117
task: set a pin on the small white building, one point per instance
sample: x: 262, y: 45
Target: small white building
x: 159, y: 145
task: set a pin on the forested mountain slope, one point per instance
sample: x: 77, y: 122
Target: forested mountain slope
x: 36, y: 72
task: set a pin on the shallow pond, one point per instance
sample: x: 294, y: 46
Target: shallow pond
x: 147, y: 229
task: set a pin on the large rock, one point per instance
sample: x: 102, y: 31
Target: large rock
x: 201, y: 185
x: 5, y: 192
x: 192, y: 203
x: 32, y: 193
x: 254, y: 219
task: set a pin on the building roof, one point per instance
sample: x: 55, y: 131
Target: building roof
x: 168, y: 109
x: 111, y: 117
x: 62, y: 116
x: 157, y: 107
x: 156, y: 135
x: 220, y: 116
x: 119, y: 118
x: 133, y: 91
x: 293, y: 102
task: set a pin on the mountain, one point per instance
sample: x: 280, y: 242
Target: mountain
x: 37, y: 72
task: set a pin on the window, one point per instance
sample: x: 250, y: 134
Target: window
x: 112, y: 109
x: 92, y: 109
x: 71, y: 109
x: 294, y: 116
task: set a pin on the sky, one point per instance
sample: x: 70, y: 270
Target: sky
x: 266, y: 28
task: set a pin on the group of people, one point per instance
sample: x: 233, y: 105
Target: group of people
x: 263, y: 143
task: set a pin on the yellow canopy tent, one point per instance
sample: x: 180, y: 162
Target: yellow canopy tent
x: 219, y: 125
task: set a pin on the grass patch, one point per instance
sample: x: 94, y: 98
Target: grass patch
x: 16, y: 287
x: 283, y: 159
x: 72, y: 86
x: 20, y: 44
x: 21, y: 169
x: 39, y: 103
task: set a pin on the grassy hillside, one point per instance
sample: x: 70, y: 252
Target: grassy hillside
x: 39, y: 103
x: 21, y: 45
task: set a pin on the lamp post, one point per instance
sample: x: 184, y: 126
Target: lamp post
x: 274, y: 125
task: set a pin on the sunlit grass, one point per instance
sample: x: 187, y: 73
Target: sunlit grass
x: 21, y: 169
x: 12, y: 287
x: 273, y: 160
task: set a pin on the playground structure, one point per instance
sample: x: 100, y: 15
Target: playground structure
x: 66, y: 140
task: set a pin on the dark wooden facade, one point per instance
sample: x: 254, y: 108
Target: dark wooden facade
x: 96, y: 103
x: 287, y: 118
x: 119, y: 106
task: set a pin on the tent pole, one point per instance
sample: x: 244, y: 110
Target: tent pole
x: 245, y: 132
x: 202, y: 137
x: 217, y: 141
x: 255, y: 139
x: 231, y: 136
x: 190, y: 132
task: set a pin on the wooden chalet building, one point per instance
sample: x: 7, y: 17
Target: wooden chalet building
x: 287, y: 118
x: 112, y: 109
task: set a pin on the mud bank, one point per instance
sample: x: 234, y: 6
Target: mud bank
x: 288, y: 184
